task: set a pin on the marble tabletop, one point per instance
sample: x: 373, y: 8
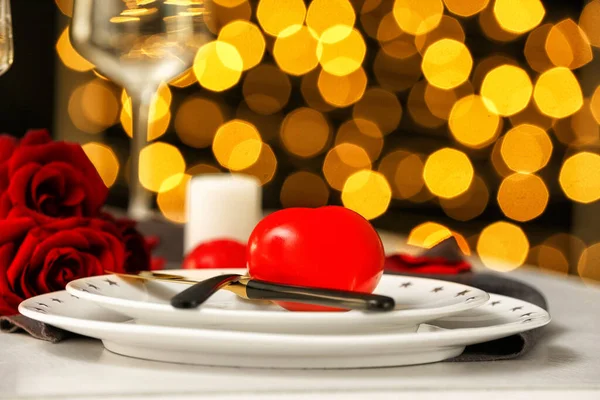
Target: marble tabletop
x: 567, y: 359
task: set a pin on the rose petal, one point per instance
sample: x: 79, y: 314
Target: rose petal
x: 48, y: 180
x: 14, y: 230
x: 35, y: 137
x: 8, y: 144
x: 9, y: 301
x: 20, y: 184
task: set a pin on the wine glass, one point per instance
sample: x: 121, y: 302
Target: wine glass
x: 6, y: 39
x: 139, y: 44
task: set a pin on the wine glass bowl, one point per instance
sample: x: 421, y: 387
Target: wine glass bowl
x: 6, y: 38
x: 139, y: 44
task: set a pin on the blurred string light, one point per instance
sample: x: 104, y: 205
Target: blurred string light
x: 237, y: 145
x: 533, y: 116
x: 519, y: 16
x: 428, y: 234
x: 104, y: 160
x: 535, y: 48
x: 444, y: 181
x: 342, y: 91
x: 448, y: 28
x: 304, y: 189
x: 248, y: 40
x: 567, y: 45
x: 526, y: 148
x: 265, y: 167
x: 396, y: 74
x: 202, y: 168
x: 197, y: 121
x: 580, y: 177
x: 311, y: 94
x: 472, y: 123
x: 339, y: 52
x: 588, y: 22
x: 363, y: 133
x: 275, y: 16
x: 447, y: 63
x: 267, y: 125
x: 322, y: 15
x: 502, y: 246
x: 69, y: 56
x: 417, y: 16
x: 587, y: 267
x: 342, y: 161
x: 440, y: 102
x: 305, y: 132
x: 188, y: 78
x: 523, y: 197
x: 465, y: 8
x: 497, y: 161
x: 419, y: 109
x: 93, y: 107
x: 557, y: 93
x: 266, y: 89
x: 368, y: 193
x: 65, y: 6
x: 218, y: 66
x: 404, y: 172
x: 159, y: 162
x: 172, y: 198
x: 491, y: 27
x: 220, y: 14
x: 507, y: 90
x: 468, y: 205
x: 295, y: 50
x: 160, y: 113
x: 580, y: 129
x: 381, y: 107
x: 393, y: 40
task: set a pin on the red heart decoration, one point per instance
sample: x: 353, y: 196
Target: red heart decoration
x: 328, y: 247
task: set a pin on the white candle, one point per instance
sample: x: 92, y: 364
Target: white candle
x: 221, y: 206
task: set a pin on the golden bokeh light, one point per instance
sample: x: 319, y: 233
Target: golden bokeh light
x: 266, y: 89
x: 552, y: 259
x: 492, y: 29
x: 396, y: 74
x: 502, y: 246
x: 247, y: 39
x: 443, y: 180
x: 93, y: 107
x: 237, y: 145
x: 393, y: 41
x: 69, y: 56
x: 65, y: 7
x: 595, y: 104
x: 341, y: 53
x: 381, y: 107
x: 305, y: 132
x: 197, y: 121
x: 404, y: 172
x: 533, y: 116
x: 201, y: 169
x: 580, y: 177
x: 311, y: 94
x: 265, y: 167
x: 440, y: 101
x: 497, y: 161
x: 519, y: 16
x: 188, y: 78
x: 417, y: 17
x: 526, y: 148
x: 158, y: 162
x: 583, y: 126
x: 325, y: 14
x: 568, y: 244
x: 428, y: 234
x: 487, y: 64
x: 304, y: 189
x: 342, y: 161
x: 418, y: 108
x: 507, y: 90
x: 172, y: 198
x: 447, y: 63
x: 587, y: 267
x: 105, y: 161
x: 448, y: 28
x: 218, y: 66
x: 267, y: 125
x: 220, y: 15
x: 372, y: 13
x: 364, y: 134
x: 535, y: 48
x: 342, y: 91
x: 567, y: 45
x: 160, y: 115
x: 468, y: 205
x: 472, y: 123
x: 295, y: 50
x: 523, y: 197
x: 465, y: 8
x: 588, y: 21
x: 367, y: 193
x: 275, y: 16
x: 557, y: 93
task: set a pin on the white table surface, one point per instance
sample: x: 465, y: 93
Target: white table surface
x: 567, y: 359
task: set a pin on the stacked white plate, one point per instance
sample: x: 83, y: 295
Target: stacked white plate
x: 433, y: 321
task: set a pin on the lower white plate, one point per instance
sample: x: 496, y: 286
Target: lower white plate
x: 500, y: 317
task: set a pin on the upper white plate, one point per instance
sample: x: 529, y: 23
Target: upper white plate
x: 418, y: 300
x: 500, y: 317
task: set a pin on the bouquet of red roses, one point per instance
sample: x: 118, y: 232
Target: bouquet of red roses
x: 52, y: 227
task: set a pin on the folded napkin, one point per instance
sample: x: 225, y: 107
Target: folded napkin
x: 448, y: 250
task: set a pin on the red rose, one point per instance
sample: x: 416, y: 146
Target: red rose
x: 41, y: 259
x: 46, y: 180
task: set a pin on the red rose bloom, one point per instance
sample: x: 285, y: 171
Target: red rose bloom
x: 46, y: 180
x: 41, y: 259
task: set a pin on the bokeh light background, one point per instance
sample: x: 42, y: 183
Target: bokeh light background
x: 473, y: 118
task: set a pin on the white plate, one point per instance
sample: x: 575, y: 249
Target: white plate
x: 418, y: 300
x: 499, y: 317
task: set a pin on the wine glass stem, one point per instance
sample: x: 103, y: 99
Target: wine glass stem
x: 139, y: 198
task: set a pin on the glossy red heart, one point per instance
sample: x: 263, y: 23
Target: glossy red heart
x: 222, y: 253
x: 328, y: 247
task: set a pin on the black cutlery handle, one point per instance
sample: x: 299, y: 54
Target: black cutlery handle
x: 260, y: 290
x: 197, y: 294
